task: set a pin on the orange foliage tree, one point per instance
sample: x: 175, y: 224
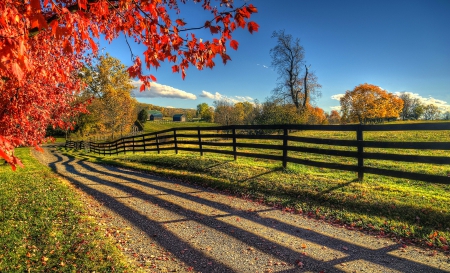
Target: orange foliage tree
x: 334, y: 117
x: 369, y: 103
x: 43, y: 43
x: 315, y: 115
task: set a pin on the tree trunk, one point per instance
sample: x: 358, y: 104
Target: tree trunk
x: 305, y: 83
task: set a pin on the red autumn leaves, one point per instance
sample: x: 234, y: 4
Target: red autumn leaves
x: 44, y: 43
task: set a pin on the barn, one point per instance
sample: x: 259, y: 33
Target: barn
x: 155, y: 115
x: 179, y: 117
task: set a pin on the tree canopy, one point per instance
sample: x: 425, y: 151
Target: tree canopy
x: 205, y: 112
x: 142, y: 116
x: 44, y: 43
x: 108, y: 86
x: 369, y: 103
x: 412, y: 107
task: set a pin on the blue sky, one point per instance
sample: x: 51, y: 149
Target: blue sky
x: 401, y: 46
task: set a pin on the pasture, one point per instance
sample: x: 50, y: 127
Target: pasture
x: 405, y: 208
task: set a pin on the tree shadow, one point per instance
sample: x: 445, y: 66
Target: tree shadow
x: 135, y: 184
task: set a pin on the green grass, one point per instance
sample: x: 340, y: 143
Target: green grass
x: 155, y: 126
x: 412, y: 210
x: 44, y: 226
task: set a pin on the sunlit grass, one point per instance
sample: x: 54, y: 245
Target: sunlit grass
x: 44, y: 226
x: 155, y: 126
x: 412, y: 209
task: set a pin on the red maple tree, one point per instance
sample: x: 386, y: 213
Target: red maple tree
x: 44, y: 43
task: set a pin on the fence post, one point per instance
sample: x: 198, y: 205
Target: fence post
x: 117, y: 147
x: 285, y: 144
x: 143, y: 142
x: 175, y: 140
x: 133, y: 144
x: 157, y: 143
x: 359, y: 138
x: 234, y: 143
x: 200, y: 142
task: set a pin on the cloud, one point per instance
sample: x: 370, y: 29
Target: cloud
x: 337, y: 96
x: 442, y: 105
x: 161, y: 91
x: 206, y: 94
x: 218, y: 96
x: 263, y: 65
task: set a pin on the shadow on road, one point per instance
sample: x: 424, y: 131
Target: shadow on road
x: 212, y: 232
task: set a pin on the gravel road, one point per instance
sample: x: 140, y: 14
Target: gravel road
x: 169, y: 226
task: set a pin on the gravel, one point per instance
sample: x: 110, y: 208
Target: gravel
x: 170, y: 226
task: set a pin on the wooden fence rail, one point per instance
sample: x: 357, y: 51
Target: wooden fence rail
x: 232, y: 140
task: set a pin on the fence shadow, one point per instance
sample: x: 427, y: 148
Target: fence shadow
x: 264, y: 233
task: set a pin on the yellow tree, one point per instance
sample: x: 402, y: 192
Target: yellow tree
x: 369, y: 103
x: 113, y: 108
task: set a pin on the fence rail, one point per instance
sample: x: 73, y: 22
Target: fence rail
x: 236, y: 138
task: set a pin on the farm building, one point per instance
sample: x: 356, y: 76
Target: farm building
x: 179, y: 117
x: 137, y: 127
x: 155, y: 115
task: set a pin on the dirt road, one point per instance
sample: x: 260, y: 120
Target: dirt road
x: 168, y: 226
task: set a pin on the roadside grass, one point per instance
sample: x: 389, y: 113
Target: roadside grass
x: 44, y: 226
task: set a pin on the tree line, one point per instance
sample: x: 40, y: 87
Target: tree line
x: 112, y: 109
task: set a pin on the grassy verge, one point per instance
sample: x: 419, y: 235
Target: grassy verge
x: 44, y: 226
x: 411, y: 210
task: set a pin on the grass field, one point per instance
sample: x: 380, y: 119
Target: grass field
x: 408, y: 209
x: 44, y: 226
x: 155, y: 126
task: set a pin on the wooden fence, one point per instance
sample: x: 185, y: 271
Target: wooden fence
x: 232, y: 140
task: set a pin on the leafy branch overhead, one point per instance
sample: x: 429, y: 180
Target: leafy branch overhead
x: 43, y: 43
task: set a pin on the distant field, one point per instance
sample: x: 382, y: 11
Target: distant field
x: 155, y: 126
x: 411, y: 209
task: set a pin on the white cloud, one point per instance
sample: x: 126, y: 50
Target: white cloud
x: 263, y: 65
x: 169, y: 106
x: 247, y: 98
x: 161, y: 91
x: 337, y: 96
x: 442, y: 105
x: 218, y: 96
x: 206, y: 94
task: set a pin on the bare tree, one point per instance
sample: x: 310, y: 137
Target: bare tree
x: 446, y: 115
x: 407, y: 106
x: 431, y: 112
x: 299, y: 86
